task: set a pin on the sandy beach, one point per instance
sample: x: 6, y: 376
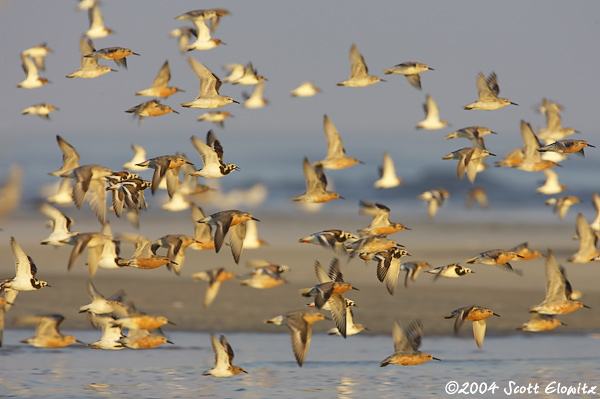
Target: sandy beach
x: 240, y: 308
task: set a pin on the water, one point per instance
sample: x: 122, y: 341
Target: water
x: 281, y: 173
x: 334, y: 367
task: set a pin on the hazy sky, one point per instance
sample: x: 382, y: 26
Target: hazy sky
x: 537, y: 48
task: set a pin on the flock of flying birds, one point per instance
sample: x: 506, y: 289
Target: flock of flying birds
x: 179, y: 177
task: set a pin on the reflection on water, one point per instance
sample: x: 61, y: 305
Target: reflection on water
x: 334, y: 368
x: 346, y: 387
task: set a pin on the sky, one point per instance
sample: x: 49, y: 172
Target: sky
x: 537, y: 48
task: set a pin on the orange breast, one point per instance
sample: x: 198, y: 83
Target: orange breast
x: 574, y: 148
x: 117, y: 54
x: 270, y: 282
x: 175, y: 163
x: 59, y: 342
x: 148, y: 342
x: 147, y: 322
x: 503, y: 258
x: 408, y: 360
x: 529, y: 254
x: 201, y: 246
x: 151, y: 263
x: 224, y: 276
x: 156, y: 111
x: 237, y: 219
x: 341, y: 163
x: 510, y: 162
x: 312, y: 317
x: 477, y: 315
x: 326, y: 197
x: 340, y: 288
x: 165, y: 92
x: 568, y: 307
x: 542, y: 165
x: 386, y: 230
x: 545, y: 325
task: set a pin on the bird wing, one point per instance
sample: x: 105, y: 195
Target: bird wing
x: 587, y: 238
x: 172, y: 178
x: 301, y: 332
x: 97, y: 199
x: 48, y: 326
x: 479, y: 331
x: 414, y: 333
x: 431, y: 109
x: 95, y: 17
x: 81, y: 242
x: 388, y: 170
x: 392, y: 272
x: 414, y: 80
x: 401, y: 342
x: 59, y: 221
x: 94, y: 255
x: 208, y: 154
x: 92, y: 292
x: 337, y: 303
x: 202, y: 231
x: 358, y: 66
x: 223, y: 223
x: 335, y: 148
x: 322, y: 276
x: 86, y: 46
x: 29, y: 66
x: 237, y: 233
x: 492, y: 83
x: 163, y: 77
x: 555, y: 280
x: 220, y: 352
x: 462, y: 314
x: 531, y: 143
x: 335, y: 273
x: 483, y: 90
x: 212, y: 142
x: 312, y: 181
x: 228, y: 349
x: 209, y: 82
x: 70, y: 156
x: 24, y: 268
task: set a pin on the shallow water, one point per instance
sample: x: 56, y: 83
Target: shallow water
x: 334, y: 367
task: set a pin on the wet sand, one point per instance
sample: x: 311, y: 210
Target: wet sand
x: 240, y: 308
